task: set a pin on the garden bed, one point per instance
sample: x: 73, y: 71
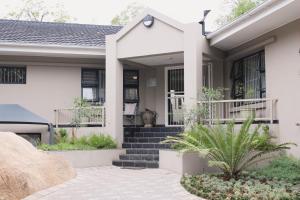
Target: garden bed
x: 85, y: 151
x: 279, y: 180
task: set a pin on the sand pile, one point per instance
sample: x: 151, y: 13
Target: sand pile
x: 25, y: 170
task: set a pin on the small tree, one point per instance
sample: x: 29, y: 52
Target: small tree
x: 237, y: 8
x: 81, y: 110
x: 38, y: 10
x: 201, y: 111
x: 128, y: 14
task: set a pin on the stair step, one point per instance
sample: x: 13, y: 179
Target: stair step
x: 154, y: 129
x: 146, y: 145
x: 148, y: 157
x: 142, y: 151
x: 150, y: 134
x: 144, y: 139
x: 135, y: 163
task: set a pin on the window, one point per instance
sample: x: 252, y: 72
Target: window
x: 248, y: 77
x: 12, y: 75
x: 131, y: 86
x: 93, y: 85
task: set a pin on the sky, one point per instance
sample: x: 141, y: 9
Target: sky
x: 102, y: 11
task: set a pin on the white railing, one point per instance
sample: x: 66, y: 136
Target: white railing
x: 176, y: 110
x: 92, y: 115
x: 238, y: 110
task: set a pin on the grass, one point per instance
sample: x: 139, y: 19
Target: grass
x: 284, y: 168
x: 65, y: 147
x: 92, y: 142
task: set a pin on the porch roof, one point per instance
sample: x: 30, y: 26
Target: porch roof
x: 268, y: 16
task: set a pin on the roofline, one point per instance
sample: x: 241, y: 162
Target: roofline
x: 242, y: 18
x: 7, y: 48
x: 59, y: 23
x: 139, y: 18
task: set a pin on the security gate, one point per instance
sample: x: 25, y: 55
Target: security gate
x: 174, y: 84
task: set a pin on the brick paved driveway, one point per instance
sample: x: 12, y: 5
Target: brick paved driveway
x: 112, y: 183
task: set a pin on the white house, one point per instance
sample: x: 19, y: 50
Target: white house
x: 157, y: 63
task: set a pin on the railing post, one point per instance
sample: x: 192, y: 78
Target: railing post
x: 56, y: 118
x: 271, y: 111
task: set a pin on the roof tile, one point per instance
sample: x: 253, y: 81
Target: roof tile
x: 16, y: 31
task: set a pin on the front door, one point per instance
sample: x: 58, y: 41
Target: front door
x: 174, y: 77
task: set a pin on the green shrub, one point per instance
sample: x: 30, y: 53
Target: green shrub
x: 61, y: 136
x: 82, y: 140
x: 65, y: 147
x: 284, y: 168
x: 91, y: 142
x: 229, y: 150
x: 101, y: 142
x: 213, y: 187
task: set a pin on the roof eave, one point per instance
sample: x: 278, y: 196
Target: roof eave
x: 53, y: 50
x: 255, y: 23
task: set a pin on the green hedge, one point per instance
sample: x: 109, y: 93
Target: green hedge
x: 92, y: 142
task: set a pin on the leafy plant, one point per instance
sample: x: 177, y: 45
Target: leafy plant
x: 94, y: 141
x: 284, y: 168
x: 229, y: 150
x: 101, y: 142
x: 214, y: 187
x: 61, y: 136
x: 237, y: 8
x: 200, y: 112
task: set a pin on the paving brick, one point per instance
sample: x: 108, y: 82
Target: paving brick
x: 113, y: 183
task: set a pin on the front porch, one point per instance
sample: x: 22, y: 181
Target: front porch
x: 164, y: 68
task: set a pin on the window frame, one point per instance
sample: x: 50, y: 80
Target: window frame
x: 134, y: 86
x: 96, y: 70
x: 241, y: 77
x: 21, y: 67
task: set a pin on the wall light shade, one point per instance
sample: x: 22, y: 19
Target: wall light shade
x: 151, y: 82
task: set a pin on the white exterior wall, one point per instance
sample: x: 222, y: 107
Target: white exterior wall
x: 161, y: 38
x: 282, y: 59
x: 153, y: 98
x: 283, y: 81
x: 47, y: 88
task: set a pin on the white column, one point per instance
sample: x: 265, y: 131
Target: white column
x: 192, y: 64
x: 114, y: 91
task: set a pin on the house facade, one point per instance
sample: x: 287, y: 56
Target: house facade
x: 155, y: 63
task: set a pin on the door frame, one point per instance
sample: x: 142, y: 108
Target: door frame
x: 166, y: 92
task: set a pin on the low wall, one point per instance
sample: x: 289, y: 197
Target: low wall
x: 85, y: 131
x: 184, y: 163
x: 91, y: 158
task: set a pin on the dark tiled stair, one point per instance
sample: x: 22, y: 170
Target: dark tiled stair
x: 142, y: 146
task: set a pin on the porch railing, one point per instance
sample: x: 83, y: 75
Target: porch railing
x: 87, y: 116
x: 238, y: 110
x: 176, y: 110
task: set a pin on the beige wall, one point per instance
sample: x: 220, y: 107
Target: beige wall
x: 142, y: 41
x: 48, y: 86
x: 283, y: 81
x: 153, y: 98
x: 282, y: 77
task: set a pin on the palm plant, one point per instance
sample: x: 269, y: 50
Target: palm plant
x: 230, y: 151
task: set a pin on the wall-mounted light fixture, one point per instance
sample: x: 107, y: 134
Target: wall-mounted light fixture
x: 202, y: 22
